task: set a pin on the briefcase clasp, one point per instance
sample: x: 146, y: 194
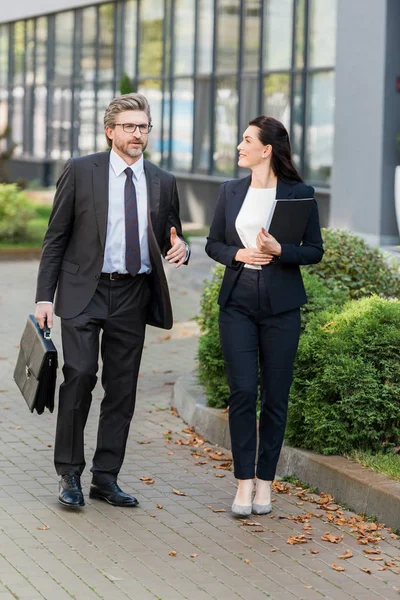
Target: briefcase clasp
x: 47, y: 333
x: 28, y: 372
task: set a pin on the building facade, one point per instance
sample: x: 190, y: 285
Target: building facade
x: 207, y: 68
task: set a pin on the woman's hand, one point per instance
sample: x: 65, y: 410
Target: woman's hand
x: 267, y: 244
x: 253, y: 256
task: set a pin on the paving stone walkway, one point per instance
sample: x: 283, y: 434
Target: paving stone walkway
x: 173, y: 546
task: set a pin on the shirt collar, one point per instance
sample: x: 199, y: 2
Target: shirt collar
x: 119, y: 165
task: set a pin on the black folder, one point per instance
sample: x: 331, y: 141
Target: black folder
x: 36, y: 369
x: 289, y: 220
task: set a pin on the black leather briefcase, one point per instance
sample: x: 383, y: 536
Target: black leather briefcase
x: 36, y: 369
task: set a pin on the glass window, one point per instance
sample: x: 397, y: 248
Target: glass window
x: 129, y: 48
x: 151, y: 37
x: 252, y: 27
x: 41, y: 50
x: 184, y: 36
x: 87, y: 126
x: 205, y: 32
x: 278, y: 34
x: 64, y: 43
x: 226, y: 129
x: 19, y: 49
x: 40, y: 93
x: 3, y: 76
x: 18, y: 92
x: 60, y: 126
x: 277, y: 97
x: 320, y: 116
x: 182, y: 124
x: 202, y: 125
x: 248, y: 101
x: 228, y: 24
x: 88, y: 49
x: 105, y: 94
x: 322, y: 33
x: 152, y: 90
x: 106, y: 45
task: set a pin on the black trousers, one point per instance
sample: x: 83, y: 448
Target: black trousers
x: 119, y: 308
x: 255, y: 341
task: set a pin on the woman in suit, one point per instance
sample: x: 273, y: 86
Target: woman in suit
x: 260, y: 298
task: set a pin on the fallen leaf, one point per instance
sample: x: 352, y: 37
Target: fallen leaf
x: 366, y: 570
x: 168, y: 432
x: 143, y: 442
x: 245, y: 523
x: 273, y: 550
x: 219, y: 475
x: 258, y: 530
x: 219, y: 510
x: 188, y: 430
x: 376, y: 558
x: 390, y: 564
x: 152, y: 515
x: 193, y: 555
x: 164, y: 338
x: 246, y: 560
x: 172, y: 553
x: 218, y: 456
x: 201, y: 462
x: 147, y: 480
x: 297, y: 539
x: 111, y: 577
x: 314, y: 551
x: 170, y: 453
x: 333, y: 539
x: 225, y: 466
x: 159, y: 506
x: 43, y: 528
x: 382, y: 569
x: 347, y: 554
x: 179, y: 493
x: 334, y: 566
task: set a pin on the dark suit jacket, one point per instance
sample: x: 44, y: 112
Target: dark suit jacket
x: 283, y: 278
x: 73, y: 247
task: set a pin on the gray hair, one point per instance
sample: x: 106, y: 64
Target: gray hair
x: 122, y: 103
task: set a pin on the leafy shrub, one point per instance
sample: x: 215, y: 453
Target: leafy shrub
x: 125, y: 84
x: 320, y: 297
x: 351, y: 265
x: 346, y: 389
x: 15, y: 212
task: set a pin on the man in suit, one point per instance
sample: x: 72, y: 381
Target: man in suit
x: 114, y: 214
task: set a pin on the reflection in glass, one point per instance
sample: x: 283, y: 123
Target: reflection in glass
x: 322, y: 38
x: 106, y: 46
x: 182, y: 124
x: 151, y: 37
x: 60, y: 125
x: 248, y: 101
x: 130, y: 48
x: 320, y: 127
x: 88, y: 51
x: 40, y: 92
x: 105, y: 94
x: 3, y: 76
x: 205, y: 28
x: 202, y: 123
x: 225, y: 154
x: 184, y: 36
x: 297, y: 120
x: 64, y: 38
x: 87, y: 109
x: 252, y: 27
x: 41, y: 50
x: 277, y: 97
x: 152, y: 90
x: 19, y: 46
x: 278, y: 34
x: 228, y: 22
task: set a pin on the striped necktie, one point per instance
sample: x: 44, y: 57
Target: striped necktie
x: 132, y: 242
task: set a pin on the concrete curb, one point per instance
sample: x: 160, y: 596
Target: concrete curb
x: 9, y: 254
x: 357, y: 487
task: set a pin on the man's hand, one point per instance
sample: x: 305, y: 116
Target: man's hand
x: 267, y: 244
x: 253, y: 256
x: 44, y: 313
x: 177, y: 254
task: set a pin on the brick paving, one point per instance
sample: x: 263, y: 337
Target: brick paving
x: 118, y: 554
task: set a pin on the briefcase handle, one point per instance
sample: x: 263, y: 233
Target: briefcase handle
x: 46, y: 331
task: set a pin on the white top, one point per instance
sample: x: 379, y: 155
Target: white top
x: 114, y: 253
x: 254, y: 214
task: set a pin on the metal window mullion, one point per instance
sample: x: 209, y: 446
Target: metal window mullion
x: 76, y: 82
x: 242, y: 19
x: 137, y: 56
x: 11, y: 65
x: 260, y: 78
x: 163, y: 80
x: 96, y: 75
x: 305, y: 86
x: 194, y: 79
x: 212, y: 89
x: 116, y: 47
x: 171, y: 84
x: 292, y: 70
x: 24, y: 85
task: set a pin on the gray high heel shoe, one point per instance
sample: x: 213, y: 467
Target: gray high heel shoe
x: 261, y: 509
x: 239, y: 510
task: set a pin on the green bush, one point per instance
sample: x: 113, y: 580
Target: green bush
x: 320, y: 297
x: 351, y: 265
x: 346, y: 389
x: 125, y: 84
x: 15, y: 213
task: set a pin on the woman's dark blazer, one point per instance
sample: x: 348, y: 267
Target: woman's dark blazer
x: 283, y: 278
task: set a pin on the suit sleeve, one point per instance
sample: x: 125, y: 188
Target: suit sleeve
x: 311, y: 249
x: 216, y: 246
x: 174, y: 220
x: 57, y: 235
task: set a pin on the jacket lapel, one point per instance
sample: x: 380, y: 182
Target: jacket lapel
x: 153, y: 190
x: 100, y: 192
x: 235, y: 201
x: 284, y: 190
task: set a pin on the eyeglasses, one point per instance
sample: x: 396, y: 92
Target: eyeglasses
x: 131, y: 127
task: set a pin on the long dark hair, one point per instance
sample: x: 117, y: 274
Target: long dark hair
x: 271, y: 131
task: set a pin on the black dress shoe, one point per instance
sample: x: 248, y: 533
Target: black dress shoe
x: 112, y: 493
x: 71, y: 491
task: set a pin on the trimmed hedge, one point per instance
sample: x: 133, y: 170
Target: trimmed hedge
x: 15, y: 213
x: 346, y: 389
